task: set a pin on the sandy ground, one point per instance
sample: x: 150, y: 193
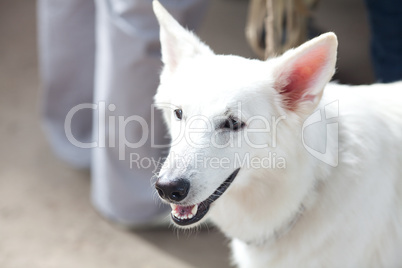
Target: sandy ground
x: 46, y: 219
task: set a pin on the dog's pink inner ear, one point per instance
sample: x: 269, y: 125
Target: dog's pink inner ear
x: 298, y: 80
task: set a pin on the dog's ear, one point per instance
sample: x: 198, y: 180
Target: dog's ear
x: 301, y: 74
x: 177, y: 43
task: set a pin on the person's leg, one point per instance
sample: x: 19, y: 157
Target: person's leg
x: 385, y: 18
x: 127, y: 75
x: 66, y: 59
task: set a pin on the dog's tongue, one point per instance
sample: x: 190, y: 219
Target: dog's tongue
x: 182, y: 212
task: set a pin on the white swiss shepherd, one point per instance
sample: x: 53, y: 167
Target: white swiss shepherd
x: 234, y: 117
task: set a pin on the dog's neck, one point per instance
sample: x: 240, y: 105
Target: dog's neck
x: 308, y: 202
x: 279, y: 232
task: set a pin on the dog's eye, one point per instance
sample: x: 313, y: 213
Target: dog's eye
x: 178, y: 113
x: 232, y: 124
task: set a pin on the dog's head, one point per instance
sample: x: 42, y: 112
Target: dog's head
x: 224, y: 112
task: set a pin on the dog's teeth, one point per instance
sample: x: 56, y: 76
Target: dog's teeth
x: 194, y: 210
x: 177, y: 213
x: 174, y: 213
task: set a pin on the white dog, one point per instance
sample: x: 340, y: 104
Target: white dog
x: 246, y: 155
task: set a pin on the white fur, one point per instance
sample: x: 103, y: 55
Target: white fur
x: 350, y: 215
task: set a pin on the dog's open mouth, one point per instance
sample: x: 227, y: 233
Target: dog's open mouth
x: 186, y: 215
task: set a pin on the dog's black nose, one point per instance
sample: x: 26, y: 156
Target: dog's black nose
x: 175, y: 190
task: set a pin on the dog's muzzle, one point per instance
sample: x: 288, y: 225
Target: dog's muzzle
x: 176, y: 191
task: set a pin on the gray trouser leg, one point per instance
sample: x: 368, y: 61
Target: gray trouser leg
x: 126, y: 77
x: 66, y: 58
